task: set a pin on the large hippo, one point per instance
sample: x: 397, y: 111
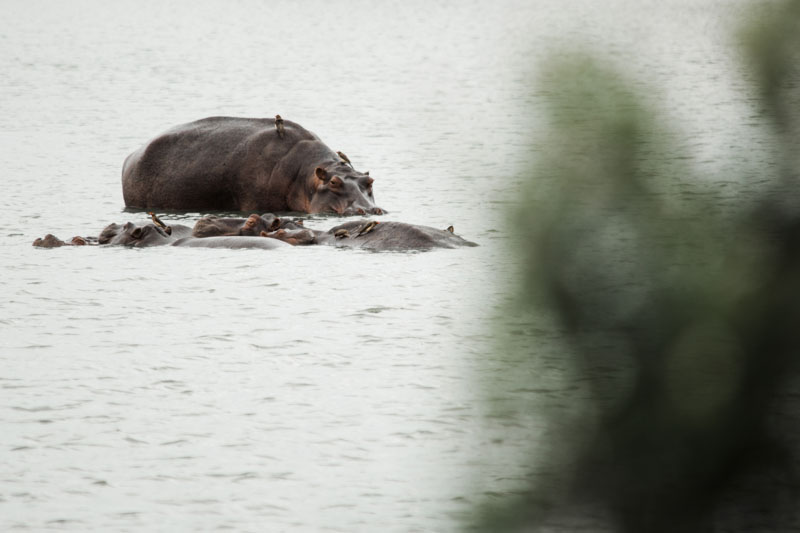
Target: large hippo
x: 244, y: 164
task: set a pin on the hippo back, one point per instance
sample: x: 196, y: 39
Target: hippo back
x: 232, y: 242
x: 391, y: 236
x: 208, y: 164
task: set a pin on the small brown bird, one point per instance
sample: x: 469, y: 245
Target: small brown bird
x: 369, y: 226
x: 279, y: 126
x: 451, y: 229
x: 157, y: 221
x: 341, y: 233
x: 344, y: 158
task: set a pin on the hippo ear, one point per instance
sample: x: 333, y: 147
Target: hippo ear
x: 322, y: 174
x: 366, y: 173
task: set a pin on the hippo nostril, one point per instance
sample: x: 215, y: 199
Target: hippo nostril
x: 377, y: 211
x: 361, y: 211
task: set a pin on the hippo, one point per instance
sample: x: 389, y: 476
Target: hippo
x: 215, y: 233
x: 212, y: 232
x: 391, y: 235
x: 147, y: 235
x: 253, y: 226
x: 51, y: 241
x: 235, y: 242
x: 244, y: 164
x: 294, y: 234
x: 374, y: 235
x: 129, y: 234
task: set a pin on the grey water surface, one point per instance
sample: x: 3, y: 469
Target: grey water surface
x: 308, y: 389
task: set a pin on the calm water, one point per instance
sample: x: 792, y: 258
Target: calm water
x: 304, y: 389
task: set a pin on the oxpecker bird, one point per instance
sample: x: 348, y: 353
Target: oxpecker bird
x: 344, y: 158
x: 369, y: 226
x: 279, y: 126
x: 157, y: 221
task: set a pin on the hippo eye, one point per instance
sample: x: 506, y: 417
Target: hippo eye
x: 335, y: 183
x: 137, y: 233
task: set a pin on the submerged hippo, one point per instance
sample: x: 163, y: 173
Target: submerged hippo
x: 295, y: 234
x: 129, y: 234
x: 51, y: 241
x: 244, y: 164
x: 147, y: 235
x: 253, y: 226
x: 212, y: 232
x: 266, y: 225
x: 235, y: 242
x: 374, y: 235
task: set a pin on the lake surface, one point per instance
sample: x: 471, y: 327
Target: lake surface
x: 309, y: 389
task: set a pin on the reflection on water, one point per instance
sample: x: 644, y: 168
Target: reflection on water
x: 305, y: 389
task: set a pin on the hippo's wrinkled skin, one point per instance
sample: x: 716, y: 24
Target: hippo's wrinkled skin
x: 242, y: 164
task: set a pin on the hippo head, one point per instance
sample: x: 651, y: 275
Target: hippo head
x: 295, y: 237
x: 255, y: 224
x: 49, y: 241
x: 291, y: 231
x: 131, y: 235
x: 341, y: 189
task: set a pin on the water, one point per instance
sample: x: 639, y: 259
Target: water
x: 305, y: 389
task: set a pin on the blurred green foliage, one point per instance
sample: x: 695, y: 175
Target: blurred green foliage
x: 696, y: 311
